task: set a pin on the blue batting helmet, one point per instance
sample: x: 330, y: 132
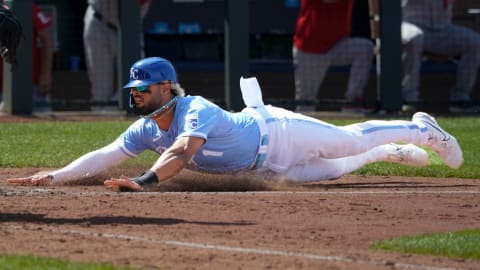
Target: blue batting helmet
x: 151, y: 70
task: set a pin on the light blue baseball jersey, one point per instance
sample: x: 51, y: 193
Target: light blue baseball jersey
x: 231, y: 139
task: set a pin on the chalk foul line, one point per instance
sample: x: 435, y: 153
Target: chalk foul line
x: 224, y: 248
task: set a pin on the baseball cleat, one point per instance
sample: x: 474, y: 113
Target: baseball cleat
x: 444, y: 144
x: 406, y: 154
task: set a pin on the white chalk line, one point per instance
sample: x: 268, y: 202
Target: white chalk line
x: 259, y: 251
x: 246, y: 193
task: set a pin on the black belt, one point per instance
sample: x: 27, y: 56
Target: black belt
x: 100, y: 17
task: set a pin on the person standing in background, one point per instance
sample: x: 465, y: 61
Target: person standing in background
x: 428, y: 23
x: 412, y: 46
x: 11, y: 32
x: 412, y: 43
x: 43, y: 47
x: 101, y: 22
x: 321, y: 39
x: 42, y: 60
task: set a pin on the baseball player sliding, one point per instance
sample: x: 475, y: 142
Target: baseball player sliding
x: 191, y: 132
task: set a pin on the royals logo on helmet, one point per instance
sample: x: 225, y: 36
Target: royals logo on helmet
x: 138, y: 74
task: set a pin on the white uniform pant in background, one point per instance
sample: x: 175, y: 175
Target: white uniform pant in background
x: 301, y: 148
x: 412, y: 40
x: 100, y: 43
x: 311, y: 68
x: 450, y: 40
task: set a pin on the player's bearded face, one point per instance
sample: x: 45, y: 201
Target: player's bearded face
x: 147, y: 101
x: 146, y: 109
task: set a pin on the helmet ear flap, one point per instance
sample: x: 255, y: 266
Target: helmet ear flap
x: 133, y: 107
x: 132, y: 102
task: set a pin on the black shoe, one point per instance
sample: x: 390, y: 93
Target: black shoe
x: 464, y: 106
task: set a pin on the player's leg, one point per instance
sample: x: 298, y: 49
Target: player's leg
x: 458, y: 41
x: 295, y: 139
x: 443, y: 143
x: 412, y: 40
x: 309, y: 71
x: 100, y: 50
x: 422, y: 130
x: 324, y: 169
x: 311, y: 137
x: 469, y: 63
x: 358, y: 53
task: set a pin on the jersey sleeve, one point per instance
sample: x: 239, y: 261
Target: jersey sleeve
x: 133, y: 140
x: 199, y: 121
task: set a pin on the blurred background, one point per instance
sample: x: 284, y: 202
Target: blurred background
x: 191, y: 35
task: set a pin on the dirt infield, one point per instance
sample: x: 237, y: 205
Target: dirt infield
x: 233, y: 223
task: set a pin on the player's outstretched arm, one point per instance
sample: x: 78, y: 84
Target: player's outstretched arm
x: 34, y: 180
x: 170, y: 163
x: 87, y: 165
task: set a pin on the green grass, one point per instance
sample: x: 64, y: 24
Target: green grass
x: 16, y: 262
x: 462, y: 244
x: 55, y: 144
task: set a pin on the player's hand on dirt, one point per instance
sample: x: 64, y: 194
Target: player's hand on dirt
x: 34, y: 180
x: 122, y: 185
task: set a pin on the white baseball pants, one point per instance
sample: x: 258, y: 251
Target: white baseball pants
x: 301, y: 148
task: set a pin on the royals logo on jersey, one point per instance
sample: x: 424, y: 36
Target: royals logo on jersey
x: 192, y: 120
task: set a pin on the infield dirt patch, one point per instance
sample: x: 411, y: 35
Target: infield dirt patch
x: 235, y: 223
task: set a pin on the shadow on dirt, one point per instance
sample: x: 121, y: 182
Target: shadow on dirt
x: 101, y: 220
x: 384, y: 185
x: 197, y: 182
